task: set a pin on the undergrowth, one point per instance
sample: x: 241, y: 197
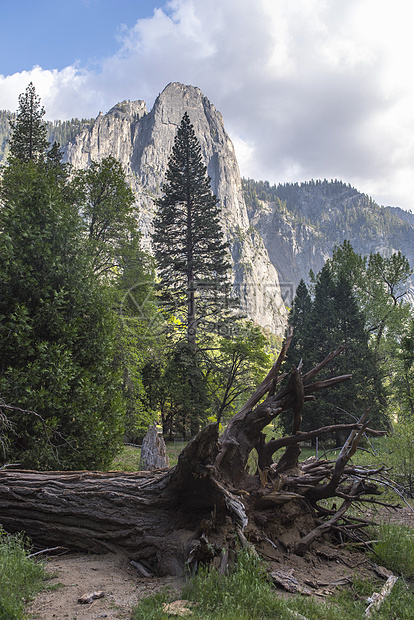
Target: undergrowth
x: 246, y: 594
x: 20, y: 577
x: 395, y: 548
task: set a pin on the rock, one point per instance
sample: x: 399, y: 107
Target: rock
x: 142, y: 142
x: 87, y: 599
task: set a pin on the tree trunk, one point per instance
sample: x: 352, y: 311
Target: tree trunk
x: 209, y: 501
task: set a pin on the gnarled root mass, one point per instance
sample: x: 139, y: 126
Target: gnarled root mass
x: 201, y: 509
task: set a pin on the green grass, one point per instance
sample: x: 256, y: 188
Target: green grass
x: 20, y: 577
x: 246, y: 594
x: 395, y: 548
x: 129, y: 458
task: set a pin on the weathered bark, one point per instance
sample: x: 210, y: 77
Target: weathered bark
x: 150, y: 515
x: 153, y: 451
x: 190, y: 513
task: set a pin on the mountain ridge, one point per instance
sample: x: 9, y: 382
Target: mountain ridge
x: 142, y: 141
x: 277, y: 233
x: 301, y: 223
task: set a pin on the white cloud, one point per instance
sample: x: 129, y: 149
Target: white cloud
x: 307, y: 88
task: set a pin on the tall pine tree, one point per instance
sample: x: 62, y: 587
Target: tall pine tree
x: 322, y: 324
x: 28, y: 140
x: 188, y: 241
x: 192, y: 262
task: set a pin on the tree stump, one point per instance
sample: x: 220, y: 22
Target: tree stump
x: 153, y: 451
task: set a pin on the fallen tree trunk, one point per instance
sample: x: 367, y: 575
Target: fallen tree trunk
x: 190, y: 513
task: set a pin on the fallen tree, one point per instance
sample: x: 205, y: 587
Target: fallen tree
x: 201, y: 509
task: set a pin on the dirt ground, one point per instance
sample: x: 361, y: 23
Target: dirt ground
x: 74, y: 575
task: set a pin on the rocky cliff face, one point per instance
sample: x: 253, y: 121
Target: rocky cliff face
x: 293, y: 247
x: 301, y: 224
x: 142, y: 142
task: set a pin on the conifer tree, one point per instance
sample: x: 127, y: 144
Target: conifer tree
x: 299, y: 318
x: 59, y: 350
x: 332, y: 319
x: 190, y: 252
x: 28, y: 140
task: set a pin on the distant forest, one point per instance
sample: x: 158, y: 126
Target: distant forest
x: 57, y: 131
x: 333, y: 208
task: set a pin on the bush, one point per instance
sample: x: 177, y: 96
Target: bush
x: 20, y: 577
x: 399, y: 448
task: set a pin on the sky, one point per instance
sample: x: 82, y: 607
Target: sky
x: 308, y: 89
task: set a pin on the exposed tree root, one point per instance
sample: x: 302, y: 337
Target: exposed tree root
x: 202, y: 509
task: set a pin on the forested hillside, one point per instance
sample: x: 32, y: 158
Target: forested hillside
x: 308, y: 219
x: 57, y: 131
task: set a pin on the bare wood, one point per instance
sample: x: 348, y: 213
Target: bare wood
x: 307, y: 540
x: 276, y: 444
x: 347, y: 451
x: 153, y: 451
x: 290, y: 458
x: 270, y: 381
x: 378, y: 599
x: 329, y: 358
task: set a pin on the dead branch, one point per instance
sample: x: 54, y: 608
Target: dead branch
x: 376, y: 599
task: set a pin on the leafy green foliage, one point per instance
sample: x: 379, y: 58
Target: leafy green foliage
x: 183, y: 391
x: 72, y: 335
x: 57, y: 332
x: 106, y: 203
x: 235, y: 367
x: 397, y: 451
x: 404, y: 381
x: 20, y: 577
x: 381, y: 286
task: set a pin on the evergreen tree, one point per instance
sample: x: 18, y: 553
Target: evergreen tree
x: 188, y: 241
x: 334, y: 319
x: 28, y: 140
x: 57, y: 329
x: 299, y: 318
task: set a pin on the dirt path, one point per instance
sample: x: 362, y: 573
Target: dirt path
x: 75, y: 575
